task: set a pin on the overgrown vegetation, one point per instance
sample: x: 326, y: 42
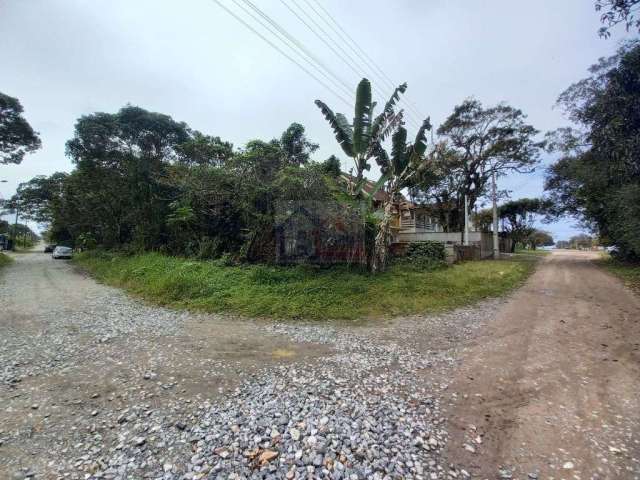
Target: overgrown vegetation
x: 306, y: 292
x: 598, y: 176
x: 531, y: 251
x: 424, y: 256
x: 627, y: 271
x: 4, y: 260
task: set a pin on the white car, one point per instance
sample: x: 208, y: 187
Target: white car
x: 62, y: 252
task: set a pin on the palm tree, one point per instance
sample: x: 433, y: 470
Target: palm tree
x: 362, y: 140
x: 407, y: 161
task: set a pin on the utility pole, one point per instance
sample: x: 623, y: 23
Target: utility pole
x: 465, y: 240
x: 15, y: 225
x: 496, y: 242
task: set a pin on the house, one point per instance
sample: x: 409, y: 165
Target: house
x: 419, y: 223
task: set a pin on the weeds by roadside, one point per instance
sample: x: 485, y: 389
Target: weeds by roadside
x: 307, y: 292
x: 4, y: 260
x: 537, y: 252
x: 628, y: 272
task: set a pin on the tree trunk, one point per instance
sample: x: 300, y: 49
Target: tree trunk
x: 383, y: 241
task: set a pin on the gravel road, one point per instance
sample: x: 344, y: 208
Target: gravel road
x: 94, y: 384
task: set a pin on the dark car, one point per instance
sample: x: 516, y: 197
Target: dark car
x: 49, y: 248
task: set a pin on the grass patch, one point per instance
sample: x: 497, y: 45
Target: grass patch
x: 5, y: 260
x: 628, y: 272
x: 538, y: 252
x: 307, y: 292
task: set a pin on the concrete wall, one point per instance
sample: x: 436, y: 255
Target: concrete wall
x: 482, y: 240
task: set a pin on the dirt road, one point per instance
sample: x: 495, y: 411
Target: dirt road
x: 552, y: 386
x: 543, y: 384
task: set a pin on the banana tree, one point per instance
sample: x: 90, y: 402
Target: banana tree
x: 407, y: 161
x: 362, y: 140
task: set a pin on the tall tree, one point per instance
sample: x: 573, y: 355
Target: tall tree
x: 17, y: 137
x: 398, y: 172
x: 120, y: 161
x: 518, y: 217
x: 203, y: 149
x: 296, y: 146
x: 40, y: 196
x: 362, y: 140
x: 483, y: 141
x: 614, y: 12
x: 331, y: 166
x: 540, y: 238
x: 597, y: 177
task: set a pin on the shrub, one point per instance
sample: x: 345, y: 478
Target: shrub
x: 425, y: 255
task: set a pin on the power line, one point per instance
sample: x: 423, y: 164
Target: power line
x: 342, y: 33
x: 362, y: 54
x: 349, y: 62
x: 306, y: 54
x: 233, y: 14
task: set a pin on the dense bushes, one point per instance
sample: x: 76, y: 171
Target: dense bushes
x: 598, y: 177
x: 424, y: 255
x: 143, y: 181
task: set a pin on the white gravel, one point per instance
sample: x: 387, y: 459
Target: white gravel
x: 351, y: 402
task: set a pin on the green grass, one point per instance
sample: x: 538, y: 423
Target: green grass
x: 5, y: 260
x: 538, y: 252
x: 628, y: 272
x: 303, y: 291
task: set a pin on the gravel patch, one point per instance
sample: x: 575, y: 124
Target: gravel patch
x: 336, y: 402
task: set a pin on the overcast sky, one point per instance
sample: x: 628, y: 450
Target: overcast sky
x: 192, y: 60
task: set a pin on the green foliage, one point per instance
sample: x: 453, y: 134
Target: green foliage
x: 598, y: 176
x: 424, y: 255
x: 362, y: 118
x: 204, y: 150
x: 362, y: 141
x: 629, y: 272
x: 476, y: 142
x: 331, y: 167
x: 540, y: 238
x: 519, y: 215
x: 4, y: 260
x: 296, y: 147
x: 17, y: 137
x: 305, y: 292
x: 38, y: 198
x: 143, y: 181
x: 86, y: 241
x: 615, y: 12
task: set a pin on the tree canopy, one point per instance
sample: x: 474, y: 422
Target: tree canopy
x: 597, y: 177
x: 17, y: 137
x: 614, y: 12
x: 296, y: 147
x: 474, y: 143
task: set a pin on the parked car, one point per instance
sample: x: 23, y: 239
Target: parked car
x: 62, y: 252
x: 49, y: 248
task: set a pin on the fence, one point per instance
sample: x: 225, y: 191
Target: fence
x: 483, y: 241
